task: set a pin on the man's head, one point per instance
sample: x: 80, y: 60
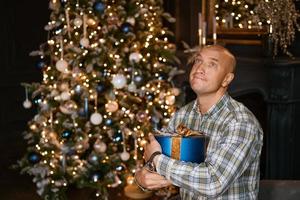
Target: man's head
x: 213, y: 70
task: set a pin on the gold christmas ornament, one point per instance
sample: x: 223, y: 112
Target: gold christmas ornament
x: 111, y: 106
x: 69, y: 107
x: 91, y: 22
x: 99, y: 146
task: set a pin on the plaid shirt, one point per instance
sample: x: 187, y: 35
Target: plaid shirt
x: 231, y: 166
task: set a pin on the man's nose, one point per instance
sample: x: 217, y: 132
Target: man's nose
x: 200, y: 68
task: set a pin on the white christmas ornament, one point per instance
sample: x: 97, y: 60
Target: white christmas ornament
x: 27, y: 104
x: 124, y: 156
x: 119, y: 81
x: 64, y: 86
x: 131, y: 20
x: 135, y: 57
x: 62, y: 66
x: 100, y: 147
x: 84, y: 42
x: 77, y: 22
x: 54, y: 93
x: 65, y: 95
x: 132, y: 87
x: 96, y: 118
x: 170, y: 100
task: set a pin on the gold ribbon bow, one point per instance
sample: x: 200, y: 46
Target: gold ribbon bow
x: 181, y: 131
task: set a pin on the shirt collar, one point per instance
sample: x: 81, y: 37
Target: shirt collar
x: 215, y: 108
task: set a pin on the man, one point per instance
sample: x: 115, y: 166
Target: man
x: 231, y: 166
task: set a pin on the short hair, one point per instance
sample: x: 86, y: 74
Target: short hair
x: 217, y: 48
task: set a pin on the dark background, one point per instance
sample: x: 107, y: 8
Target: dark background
x: 268, y: 87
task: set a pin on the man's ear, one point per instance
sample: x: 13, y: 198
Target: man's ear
x: 227, y: 79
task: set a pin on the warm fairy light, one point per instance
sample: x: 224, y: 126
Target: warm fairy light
x: 51, y: 42
x: 130, y: 180
x: 33, y: 127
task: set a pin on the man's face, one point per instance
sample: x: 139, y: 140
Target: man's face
x: 209, y: 71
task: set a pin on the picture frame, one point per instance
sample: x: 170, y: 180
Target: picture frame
x: 241, y: 36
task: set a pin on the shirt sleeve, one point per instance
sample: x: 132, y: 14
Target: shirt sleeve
x: 238, y: 147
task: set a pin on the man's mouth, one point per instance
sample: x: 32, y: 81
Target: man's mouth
x: 199, y: 76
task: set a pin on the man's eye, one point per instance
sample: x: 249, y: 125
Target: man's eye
x: 198, y: 60
x: 212, y: 64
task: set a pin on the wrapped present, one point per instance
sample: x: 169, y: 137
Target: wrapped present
x: 185, y: 145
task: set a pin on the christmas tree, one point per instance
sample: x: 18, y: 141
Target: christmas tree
x: 107, y: 71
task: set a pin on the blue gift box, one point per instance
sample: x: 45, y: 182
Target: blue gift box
x: 189, y: 149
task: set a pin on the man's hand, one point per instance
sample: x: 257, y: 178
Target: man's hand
x: 150, y: 180
x: 151, y: 147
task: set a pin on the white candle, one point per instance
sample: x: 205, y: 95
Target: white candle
x: 204, y: 33
x: 230, y: 21
x: 200, y: 29
x: 199, y: 21
x: 200, y: 37
x: 214, y: 30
